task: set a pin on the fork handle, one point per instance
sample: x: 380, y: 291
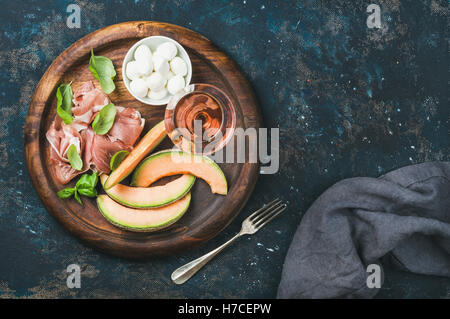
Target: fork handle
x: 182, y: 274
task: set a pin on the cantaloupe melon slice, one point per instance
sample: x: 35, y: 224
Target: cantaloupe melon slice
x: 173, y: 162
x: 150, y: 197
x: 142, y: 220
x: 145, y: 146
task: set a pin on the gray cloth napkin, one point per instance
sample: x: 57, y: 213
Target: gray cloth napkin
x: 403, y: 216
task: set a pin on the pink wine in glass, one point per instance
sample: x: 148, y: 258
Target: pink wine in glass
x: 201, y: 119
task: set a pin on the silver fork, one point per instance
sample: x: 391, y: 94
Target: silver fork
x: 250, y: 225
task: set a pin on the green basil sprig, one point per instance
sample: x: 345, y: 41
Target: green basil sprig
x: 85, y: 186
x: 77, y: 197
x: 103, y: 70
x: 64, y: 95
x: 74, y: 158
x: 66, y: 192
x: 104, y: 120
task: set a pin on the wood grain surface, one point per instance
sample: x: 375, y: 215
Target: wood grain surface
x: 208, y: 213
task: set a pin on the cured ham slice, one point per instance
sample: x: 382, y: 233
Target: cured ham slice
x: 95, y: 150
x: 87, y: 101
x: 63, y: 172
x: 103, y: 149
x: 100, y: 148
x: 128, y: 125
x: 79, y: 125
x: 88, y: 138
x: 60, y: 137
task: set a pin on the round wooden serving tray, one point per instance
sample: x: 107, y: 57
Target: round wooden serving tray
x: 209, y: 213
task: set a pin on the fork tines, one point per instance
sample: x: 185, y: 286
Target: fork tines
x: 266, y: 213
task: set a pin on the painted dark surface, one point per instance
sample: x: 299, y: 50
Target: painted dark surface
x: 349, y: 101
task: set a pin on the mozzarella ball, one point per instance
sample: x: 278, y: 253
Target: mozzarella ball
x: 145, y: 67
x: 175, y: 84
x: 168, y: 50
x: 139, y: 87
x: 178, y: 66
x: 156, y: 81
x: 157, y: 95
x: 142, y: 52
x: 132, y: 70
x: 170, y: 75
x: 160, y: 64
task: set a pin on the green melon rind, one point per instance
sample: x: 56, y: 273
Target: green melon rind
x: 152, y: 205
x: 145, y: 229
x: 156, y: 145
x: 164, y: 152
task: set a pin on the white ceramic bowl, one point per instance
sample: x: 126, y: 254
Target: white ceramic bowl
x: 153, y: 42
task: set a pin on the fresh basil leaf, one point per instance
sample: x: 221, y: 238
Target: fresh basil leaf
x: 87, y: 181
x: 83, y: 182
x: 66, y: 192
x: 94, y: 179
x: 103, y: 70
x: 89, y: 192
x: 64, y: 95
x: 85, y: 186
x: 117, y: 158
x: 74, y: 158
x: 104, y: 120
x: 77, y: 197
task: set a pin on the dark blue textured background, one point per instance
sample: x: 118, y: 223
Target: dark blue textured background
x: 349, y: 101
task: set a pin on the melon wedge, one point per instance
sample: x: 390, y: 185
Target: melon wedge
x: 150, y: 197
x: 142, y: 220
x: 173, y: 162
x: 145, y: 146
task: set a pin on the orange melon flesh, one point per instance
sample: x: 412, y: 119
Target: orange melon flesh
x: 145, y: 146
x: 150, y: 197
x: 172, y: 162
x: 142, y: 220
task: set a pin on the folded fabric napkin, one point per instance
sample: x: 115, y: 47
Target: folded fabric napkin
x: 403, y: 216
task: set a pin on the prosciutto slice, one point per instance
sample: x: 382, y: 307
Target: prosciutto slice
x: 87, y: 101
x: 100, y: 148
x: 60, y: 137
x: 128, y: 125
x: 95, y: 150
